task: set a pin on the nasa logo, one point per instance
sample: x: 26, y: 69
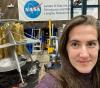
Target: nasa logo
x: 32, y: 9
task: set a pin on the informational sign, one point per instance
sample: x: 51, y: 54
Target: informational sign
x: 43, y: 10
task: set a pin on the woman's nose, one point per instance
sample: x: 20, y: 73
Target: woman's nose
x: 84, y: 52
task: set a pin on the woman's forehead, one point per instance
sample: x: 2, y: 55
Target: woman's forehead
x: 83, y: 31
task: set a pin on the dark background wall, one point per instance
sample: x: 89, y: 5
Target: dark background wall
x: 9, y: 13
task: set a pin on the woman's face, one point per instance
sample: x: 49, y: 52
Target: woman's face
x: 83, y: 47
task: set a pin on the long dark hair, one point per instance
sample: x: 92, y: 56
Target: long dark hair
x: 67, y: 76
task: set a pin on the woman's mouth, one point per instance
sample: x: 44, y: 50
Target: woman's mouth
x: 84, y: 61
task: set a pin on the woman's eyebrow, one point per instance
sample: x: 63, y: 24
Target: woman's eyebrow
x: 74, y: 41
x: 93, y: 40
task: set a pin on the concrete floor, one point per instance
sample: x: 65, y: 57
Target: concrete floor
x: 43, y: 58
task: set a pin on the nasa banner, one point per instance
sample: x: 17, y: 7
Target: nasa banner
x: 43, y: 10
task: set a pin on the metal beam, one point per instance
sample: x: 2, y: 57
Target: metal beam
x: 84, y: 7
x: 88, y: 6
x: 72, y: 8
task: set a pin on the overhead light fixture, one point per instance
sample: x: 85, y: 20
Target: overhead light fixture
x: 10, y: 5
x: 77, y: 2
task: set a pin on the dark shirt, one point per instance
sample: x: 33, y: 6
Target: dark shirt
x: 87, y: 80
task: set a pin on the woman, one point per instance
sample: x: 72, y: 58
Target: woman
x: 79, y: 51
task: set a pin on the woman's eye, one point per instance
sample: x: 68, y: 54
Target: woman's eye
x: 75, y: 45
x: 91, y: 44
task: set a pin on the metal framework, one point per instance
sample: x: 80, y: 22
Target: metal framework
x: 83, y: 6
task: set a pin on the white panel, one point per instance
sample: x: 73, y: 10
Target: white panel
x: 92, y: 2
x: 77, y: 11
x: 93, y: 12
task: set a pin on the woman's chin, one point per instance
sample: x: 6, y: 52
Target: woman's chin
x: 84, y: 70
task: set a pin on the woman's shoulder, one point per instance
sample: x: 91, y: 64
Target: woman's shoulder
x: 48, y: 81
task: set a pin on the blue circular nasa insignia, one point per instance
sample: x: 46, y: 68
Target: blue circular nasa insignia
x: 32, y: 9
